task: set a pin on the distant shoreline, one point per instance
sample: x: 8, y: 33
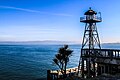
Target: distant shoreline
x: 49, y: 42
x: 39, y: 42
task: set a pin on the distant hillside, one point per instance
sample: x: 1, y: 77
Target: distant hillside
x: 111, y: 43
x: 35, y: 42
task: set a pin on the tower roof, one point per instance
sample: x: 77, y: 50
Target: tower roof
x: 90, y: 12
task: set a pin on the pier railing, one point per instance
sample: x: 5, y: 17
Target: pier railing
x: 101, y: 53
x: 57, y: 75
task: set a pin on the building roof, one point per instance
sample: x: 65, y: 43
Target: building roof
x: 90, y: 12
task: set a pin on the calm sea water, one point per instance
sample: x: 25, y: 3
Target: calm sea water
x: 31, y: 62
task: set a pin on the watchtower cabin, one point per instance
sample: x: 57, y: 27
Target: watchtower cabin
x: 95, y: 61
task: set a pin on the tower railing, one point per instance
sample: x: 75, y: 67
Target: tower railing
x: 91, y: 18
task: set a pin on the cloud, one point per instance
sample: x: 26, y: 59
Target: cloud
x: 35, y: 11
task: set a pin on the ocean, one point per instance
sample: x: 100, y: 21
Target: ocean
x: 31, y: 62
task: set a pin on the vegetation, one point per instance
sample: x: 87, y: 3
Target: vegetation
x: 62, y: 58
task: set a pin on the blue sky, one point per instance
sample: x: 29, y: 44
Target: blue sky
x: 38, y: 20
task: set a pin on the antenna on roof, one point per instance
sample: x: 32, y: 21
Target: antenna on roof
x: 90, y: 8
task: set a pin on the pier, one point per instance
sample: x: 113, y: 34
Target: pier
x: 106, y: 61
x: 100, y: 61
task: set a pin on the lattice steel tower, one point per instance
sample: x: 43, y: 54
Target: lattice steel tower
x: 90, y: 38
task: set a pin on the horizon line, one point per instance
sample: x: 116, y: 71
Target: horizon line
x: 57, y: 41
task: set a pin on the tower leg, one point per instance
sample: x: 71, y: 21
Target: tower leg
x: 82, y: 68
x: 88, y: 67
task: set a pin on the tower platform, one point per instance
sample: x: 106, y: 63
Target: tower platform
x: 88, y: 20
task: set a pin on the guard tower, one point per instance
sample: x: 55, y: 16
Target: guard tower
x: 91, y: 38
x: 90, y: 41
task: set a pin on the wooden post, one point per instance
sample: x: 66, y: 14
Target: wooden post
x: 94, y: 73
x: 104, y: 68
x: 48, y: 75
